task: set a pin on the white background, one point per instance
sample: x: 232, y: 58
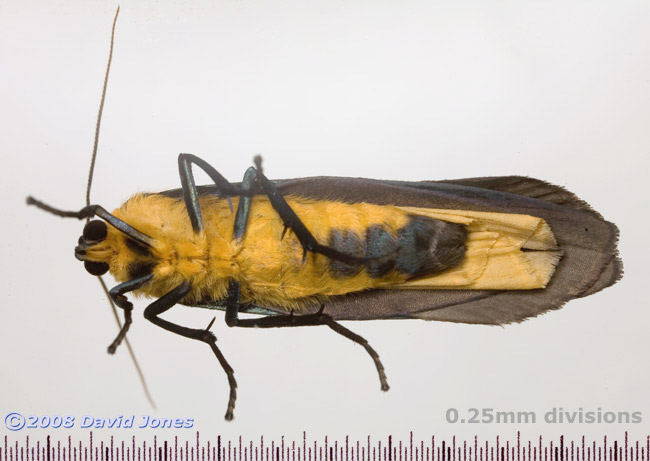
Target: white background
x: 391, y: 90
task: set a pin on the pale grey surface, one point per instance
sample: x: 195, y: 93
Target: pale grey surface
x: 419, y: 91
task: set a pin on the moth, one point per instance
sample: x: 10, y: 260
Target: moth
x: 315, y: 251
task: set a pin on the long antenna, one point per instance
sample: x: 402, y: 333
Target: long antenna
x: 101, y: 110
x: 91, y: 172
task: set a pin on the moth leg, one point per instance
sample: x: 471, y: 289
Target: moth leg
x: 244, y: 206
x: 94, y: 210
x: 190, y: 192
x: 233, y: 305
x: 293, y: 222
x: 167, y: 301
x: 117, y: 295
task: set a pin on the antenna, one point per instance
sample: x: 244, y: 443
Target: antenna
x: 90, y: 182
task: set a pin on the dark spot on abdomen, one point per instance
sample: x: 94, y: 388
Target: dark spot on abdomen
x: 348, y: 242
x: 428, y: 246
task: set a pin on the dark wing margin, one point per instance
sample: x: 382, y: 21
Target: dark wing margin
x: 528, y: 187
x: 590, y: 262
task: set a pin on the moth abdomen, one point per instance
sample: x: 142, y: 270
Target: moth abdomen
x: 423, y: 246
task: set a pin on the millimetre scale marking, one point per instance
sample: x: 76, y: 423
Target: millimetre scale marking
x: 173, y: 450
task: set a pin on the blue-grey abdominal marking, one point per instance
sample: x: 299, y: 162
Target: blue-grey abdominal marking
x: 379, y: 242
x: 348, y: 242
x: 424, y: 246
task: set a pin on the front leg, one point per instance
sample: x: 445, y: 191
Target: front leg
x: 233, y: 305
x: 190, y: 192
x: 95, y: 210
x: 117, y: 295
x: 244, y: 207
x: 165, y: 303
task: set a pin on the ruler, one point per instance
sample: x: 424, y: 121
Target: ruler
x: 389, y: 449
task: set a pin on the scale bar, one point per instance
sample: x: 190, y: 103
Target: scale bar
x: 432, y: 449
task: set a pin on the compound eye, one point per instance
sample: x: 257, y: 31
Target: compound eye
x: 95, y: 268
x: 95, y: 231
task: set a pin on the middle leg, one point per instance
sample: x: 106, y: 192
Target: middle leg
x: 165, y: 303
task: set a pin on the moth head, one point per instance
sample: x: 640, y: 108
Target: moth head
x: 91, y: 247
x: 103, y: 248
